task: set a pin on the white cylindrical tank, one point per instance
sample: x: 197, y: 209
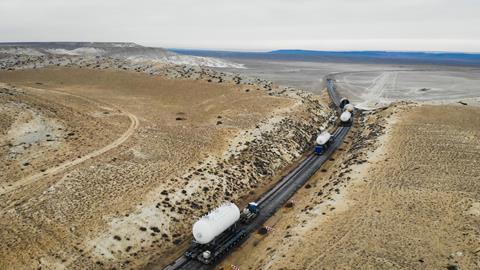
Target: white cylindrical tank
x: 217, y: 221
x: 345, y: 116
x: 349, y: 108
x: 323, y: 138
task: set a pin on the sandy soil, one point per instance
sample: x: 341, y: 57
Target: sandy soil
x: 40, y: 132
x: 33, y: 131
x: 410, y: 202
x: 196, y: 144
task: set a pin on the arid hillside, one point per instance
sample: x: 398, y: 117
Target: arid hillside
x: 110, y: 168
x: 409, y: 199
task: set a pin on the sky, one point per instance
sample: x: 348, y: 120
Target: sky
x: 250, y: 25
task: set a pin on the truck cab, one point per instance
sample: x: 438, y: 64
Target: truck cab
x: 249, y: 212
x: 322, y: 146
x: 253, y: 207
x: 320, y: 149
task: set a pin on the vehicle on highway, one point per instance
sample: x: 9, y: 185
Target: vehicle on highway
x: 323, y: 141
x: 220, y: 231
x: 214, y: 239
x: 349, y: 107
x: 346, y: 119
x: 343, y: 103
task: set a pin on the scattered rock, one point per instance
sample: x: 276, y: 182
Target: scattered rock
x: 263, y: 231
x: 289, y: 204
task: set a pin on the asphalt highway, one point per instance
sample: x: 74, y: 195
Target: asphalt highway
x: 278, y: 195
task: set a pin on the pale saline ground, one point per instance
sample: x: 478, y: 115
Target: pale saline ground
x: 373, y: 89
x: 412, y: 202
x: 373, y: 85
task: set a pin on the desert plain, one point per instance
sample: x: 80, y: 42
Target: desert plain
x: 107, y: 163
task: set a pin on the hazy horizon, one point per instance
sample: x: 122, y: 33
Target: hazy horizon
x: 344, y: 25
x: 456, y: 46
x: 299, y: 49
x: 247, y: 50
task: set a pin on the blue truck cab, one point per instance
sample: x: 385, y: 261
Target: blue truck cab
x: 253, y: 208
x: 320, y: 149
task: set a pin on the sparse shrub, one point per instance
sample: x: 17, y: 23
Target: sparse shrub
x: 155, y: 229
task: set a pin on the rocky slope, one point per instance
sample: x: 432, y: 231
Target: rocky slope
x: 123, y: 51
x: 141, y: 200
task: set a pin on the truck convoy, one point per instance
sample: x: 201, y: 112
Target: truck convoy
x: 219, y: 231
x: 224, y: 228
x: 324, y: 140
x: 347, y: 111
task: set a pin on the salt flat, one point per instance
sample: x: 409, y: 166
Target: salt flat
x: 375, y: 88
x: 371, y: 85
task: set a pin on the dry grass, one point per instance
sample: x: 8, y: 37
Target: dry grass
x: 413, y: 205
x: 64, y: 219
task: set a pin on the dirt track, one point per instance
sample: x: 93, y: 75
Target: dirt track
x: 199, y: 143
x: 68, y: 164
x: 373, y: 89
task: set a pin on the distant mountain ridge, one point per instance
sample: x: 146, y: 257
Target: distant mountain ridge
x: 440, y: 58
x: 120, y: 50
x: 69, y: 45
x: 383, y: 54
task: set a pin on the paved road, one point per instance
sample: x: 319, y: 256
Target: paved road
x: 276, y: 197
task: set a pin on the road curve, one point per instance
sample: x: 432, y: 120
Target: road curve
x: 134, y: 123
x: 278, y: 195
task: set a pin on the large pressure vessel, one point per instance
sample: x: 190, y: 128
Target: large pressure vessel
x: 217, y: 221
x: 323, y: 138
x: 349, y: 107
x: 345, y: 116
